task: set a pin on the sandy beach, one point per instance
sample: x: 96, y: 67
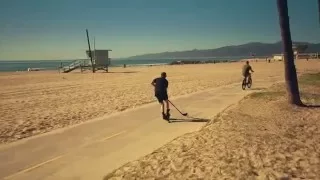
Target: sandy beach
x: 36, y: 102
x: 261, y: 137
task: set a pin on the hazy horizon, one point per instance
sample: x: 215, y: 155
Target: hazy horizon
x: 54, y: 30
x: 123, y: 58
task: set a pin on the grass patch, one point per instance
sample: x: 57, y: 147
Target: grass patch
x: 310, y: 88
x: 310, y: 83
x: 313, y: 98
x: 271, y: 95
x: 310, y: 79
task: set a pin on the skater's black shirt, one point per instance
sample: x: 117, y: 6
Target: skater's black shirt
x: 160, y: 88
x: 160, y: 85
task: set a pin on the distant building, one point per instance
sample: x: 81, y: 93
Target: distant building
x: 278, y: 57
x: 298, y: 52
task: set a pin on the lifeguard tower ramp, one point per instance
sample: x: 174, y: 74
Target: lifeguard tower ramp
x: 79, y: 63
x: 101, y: 60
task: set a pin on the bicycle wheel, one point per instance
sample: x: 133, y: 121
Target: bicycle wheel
x: 249, y: 83
x: 244, y: 84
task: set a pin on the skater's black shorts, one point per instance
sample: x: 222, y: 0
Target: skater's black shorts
x: 161, y: 96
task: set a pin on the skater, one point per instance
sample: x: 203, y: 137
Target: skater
x: 160, y: 88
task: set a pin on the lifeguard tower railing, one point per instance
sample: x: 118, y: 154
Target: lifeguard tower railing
x: 79, y: 63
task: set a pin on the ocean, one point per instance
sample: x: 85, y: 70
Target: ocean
x: 23, y: 65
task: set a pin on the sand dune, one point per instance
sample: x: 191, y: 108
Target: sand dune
x: 38, y: 102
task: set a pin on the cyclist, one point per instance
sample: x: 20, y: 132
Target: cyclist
x: 246, y: 71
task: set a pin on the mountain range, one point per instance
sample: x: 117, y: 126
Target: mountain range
x: 256, y: 48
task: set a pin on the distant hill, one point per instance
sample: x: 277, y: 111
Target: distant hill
x: 259, y: 49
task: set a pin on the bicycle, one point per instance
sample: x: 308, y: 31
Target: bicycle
x: 247, y: 82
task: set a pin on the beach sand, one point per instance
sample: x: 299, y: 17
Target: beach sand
x: 262, y: 137
x: 36, y: 102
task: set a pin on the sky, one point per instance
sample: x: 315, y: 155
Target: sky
x: 55, y: 29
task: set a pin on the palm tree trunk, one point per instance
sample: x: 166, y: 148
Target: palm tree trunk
x: 319, y: 10
x: 289, y: 66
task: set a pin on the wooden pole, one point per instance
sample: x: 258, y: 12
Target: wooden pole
x: 94, y: 47
x: 90, y: 54
x: 94, y: 43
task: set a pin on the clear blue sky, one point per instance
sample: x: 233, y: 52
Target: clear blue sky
x: 55, y: 29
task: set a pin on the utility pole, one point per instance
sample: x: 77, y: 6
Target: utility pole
x: 90, y: 53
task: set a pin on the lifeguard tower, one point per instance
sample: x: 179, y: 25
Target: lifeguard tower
x: 97, y: 60
x: 100, y: 59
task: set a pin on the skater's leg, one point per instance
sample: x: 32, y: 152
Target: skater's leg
x: 167, y: 105
x: 162, y: 111
x: 160, y: 100
x: 167, y: 109
x: 165, y: 98
x: 162, y: 107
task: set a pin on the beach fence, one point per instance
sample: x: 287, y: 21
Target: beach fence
x: 307, y: 56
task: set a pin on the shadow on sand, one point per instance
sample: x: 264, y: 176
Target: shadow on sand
x: 258, y: 89
x: 310, y: 106
x: 173, y: 120
x: 124, y: 72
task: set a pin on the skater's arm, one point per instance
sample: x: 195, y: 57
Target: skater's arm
x: 153, y: 83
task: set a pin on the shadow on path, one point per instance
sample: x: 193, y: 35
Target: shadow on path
x: 173, y: 120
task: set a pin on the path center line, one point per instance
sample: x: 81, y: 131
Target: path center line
x: 32, y: 167
x: 55, y: 158
x: 109, y: 137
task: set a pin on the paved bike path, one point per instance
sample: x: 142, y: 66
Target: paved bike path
x: 92, y: 149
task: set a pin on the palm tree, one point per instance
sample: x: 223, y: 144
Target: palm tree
x: 319, y: 10
x: 289, y: 66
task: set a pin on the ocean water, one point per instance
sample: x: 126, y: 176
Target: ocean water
x: 23, y: 65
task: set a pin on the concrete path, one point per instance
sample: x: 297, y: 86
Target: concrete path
x: 92, y: 149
